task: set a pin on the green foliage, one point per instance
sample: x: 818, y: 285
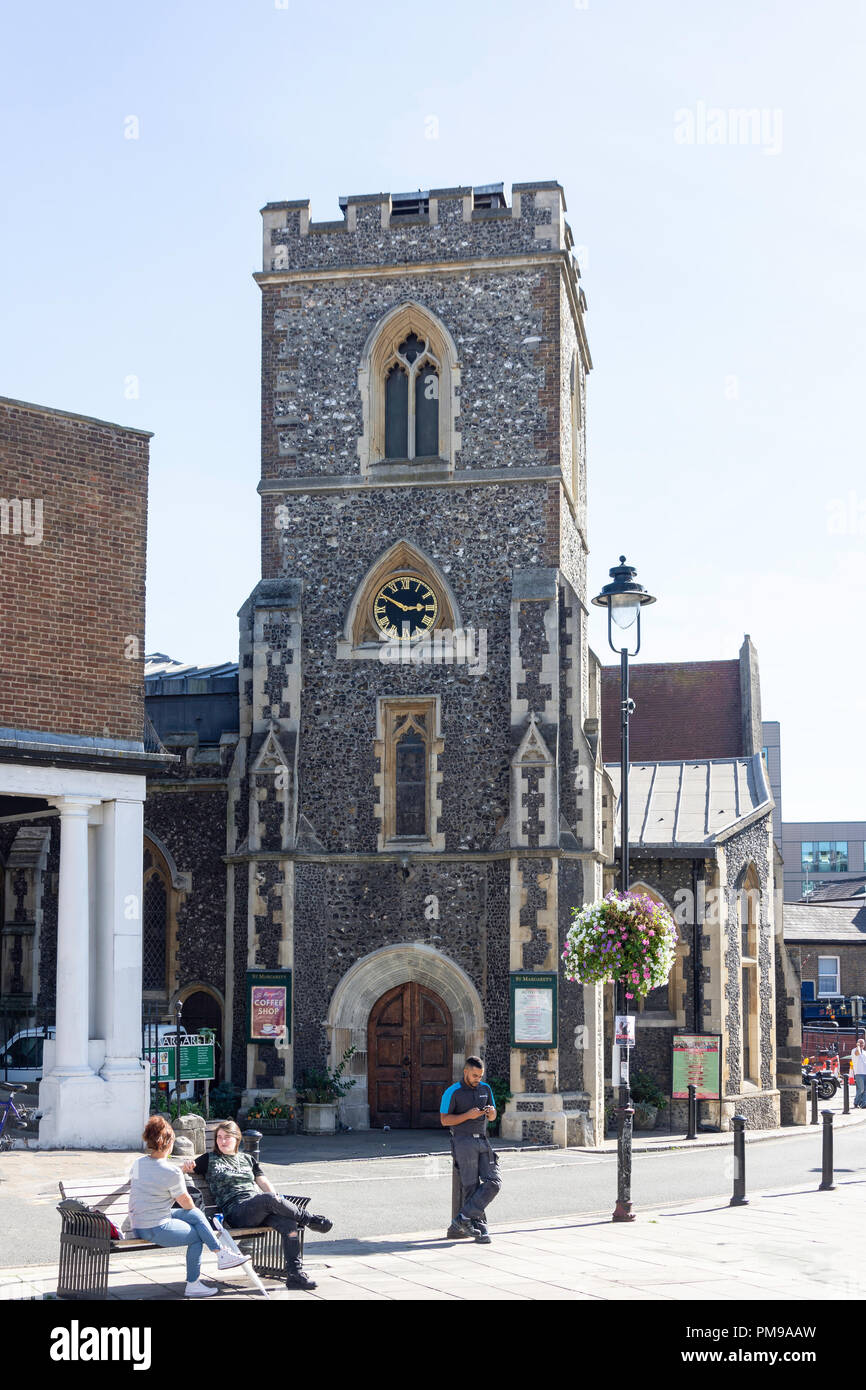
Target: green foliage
x: 324, y: 1087
x: 647, y: 1091
x: 159, y: 1105
x: 187, y: 1107
x: 225, y: 1101
x: 501, y: 1096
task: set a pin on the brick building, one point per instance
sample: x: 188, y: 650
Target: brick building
x: 73, y: 761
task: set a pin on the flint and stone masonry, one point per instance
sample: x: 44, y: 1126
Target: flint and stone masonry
x: 494, y: 522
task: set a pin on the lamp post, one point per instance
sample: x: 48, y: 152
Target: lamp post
x: 623, y: 599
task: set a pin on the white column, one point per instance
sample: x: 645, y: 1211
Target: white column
x: 119, y: 927
x: 73, y: 938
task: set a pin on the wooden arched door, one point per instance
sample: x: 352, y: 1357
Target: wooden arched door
x: 409, y: 1052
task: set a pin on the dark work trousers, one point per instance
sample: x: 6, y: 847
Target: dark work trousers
x: 479, y: 1174
x: 269, y: 1210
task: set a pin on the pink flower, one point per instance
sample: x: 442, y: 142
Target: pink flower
x: 629, y: 996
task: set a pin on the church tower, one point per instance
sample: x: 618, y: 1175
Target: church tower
x: 415, y: 800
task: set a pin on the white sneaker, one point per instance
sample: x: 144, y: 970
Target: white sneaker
x: 199, y: 1290
x: 227, y: 1259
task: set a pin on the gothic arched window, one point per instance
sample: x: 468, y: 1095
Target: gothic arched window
x: 412, y: 401
x: 411, y: 779
x: 409, y: 380
x: 154, y: 933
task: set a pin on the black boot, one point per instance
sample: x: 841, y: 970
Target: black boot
x: 316, y: 1223
x: 297, y: 1278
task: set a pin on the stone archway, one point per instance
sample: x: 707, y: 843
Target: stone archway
x: 373, y: 976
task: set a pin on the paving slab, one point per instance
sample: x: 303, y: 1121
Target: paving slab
x: 796, y: 1241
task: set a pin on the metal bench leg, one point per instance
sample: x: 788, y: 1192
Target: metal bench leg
x: 84, y: 1253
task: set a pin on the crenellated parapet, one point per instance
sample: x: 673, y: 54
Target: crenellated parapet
x: 437, y: 224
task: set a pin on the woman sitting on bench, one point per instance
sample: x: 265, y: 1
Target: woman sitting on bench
x: 241, y: 1190
x: 155, y: 1186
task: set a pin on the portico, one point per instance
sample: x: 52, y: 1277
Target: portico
x: 94, y: 1090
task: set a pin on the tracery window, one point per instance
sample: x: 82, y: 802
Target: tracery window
x: 412, y: 401
x: 408, y: 747
x: 409, y: 382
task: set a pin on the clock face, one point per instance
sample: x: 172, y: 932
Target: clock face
x: 405, y: 606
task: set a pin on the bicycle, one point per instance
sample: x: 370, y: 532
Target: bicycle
x: 25, y: 1119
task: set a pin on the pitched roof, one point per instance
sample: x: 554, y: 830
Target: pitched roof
x: 848, y: 890
x: 683, y: 709
x: 803, y: 922
x: 693, y: 803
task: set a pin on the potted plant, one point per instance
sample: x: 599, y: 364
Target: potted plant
x: 271, y: 1115
x: 648, y: 1099
x: 321, y: 1091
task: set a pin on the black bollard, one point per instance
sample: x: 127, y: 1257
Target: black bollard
x: 252, y: 1139
x: 693, y: 1112
x: 827, y: 1184
x: 846, y: 1092
x: 813, y: 1082
x: 739, y: 1198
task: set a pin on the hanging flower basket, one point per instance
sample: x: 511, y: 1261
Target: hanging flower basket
x: 626, y: 938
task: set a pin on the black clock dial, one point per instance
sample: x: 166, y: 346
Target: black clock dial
x: 404, y: 607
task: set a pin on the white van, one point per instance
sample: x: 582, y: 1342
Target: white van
x: 21, y: 1057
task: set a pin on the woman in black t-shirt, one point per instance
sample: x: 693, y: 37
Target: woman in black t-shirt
x: 234, y: 1178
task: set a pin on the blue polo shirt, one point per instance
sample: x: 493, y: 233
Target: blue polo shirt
x: 458, y: 1099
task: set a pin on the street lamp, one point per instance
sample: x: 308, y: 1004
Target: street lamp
x: 623, y: 600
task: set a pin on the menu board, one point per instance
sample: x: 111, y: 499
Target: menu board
x: 533, y: 1010
x: 697, y: 1061
x: 269, y: 1006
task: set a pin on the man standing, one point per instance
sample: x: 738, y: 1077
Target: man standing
x: 858, y: 1067
x: 465, y: 1109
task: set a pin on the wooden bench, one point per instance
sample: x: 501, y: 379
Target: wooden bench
x: 86, y: 1242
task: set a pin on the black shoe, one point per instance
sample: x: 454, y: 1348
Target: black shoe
x: 456, y: 1232
x: 317, y: 1223
x: 463, y: 1225
x: 299, y: 1279
x: 479, y: 1230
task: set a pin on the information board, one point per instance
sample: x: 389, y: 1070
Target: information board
x: 196, y: 1059
x: 533, y: 1010
x: 697, y: 1059
x: 269, y: 1006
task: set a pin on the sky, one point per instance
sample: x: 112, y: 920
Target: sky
x: 722, y: 260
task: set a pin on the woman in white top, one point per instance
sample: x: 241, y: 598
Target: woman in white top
x: 858, y: 1067
x: 155, y: 1187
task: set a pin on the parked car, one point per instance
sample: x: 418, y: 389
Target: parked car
x: 21, y: 1057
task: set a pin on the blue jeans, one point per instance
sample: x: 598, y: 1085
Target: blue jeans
x: 189, y: 1228
x: 859, y: 1091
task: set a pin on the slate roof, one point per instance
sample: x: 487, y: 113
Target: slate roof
x: 805, y: 922
x: 693, y: 803
x: 849, y: 891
